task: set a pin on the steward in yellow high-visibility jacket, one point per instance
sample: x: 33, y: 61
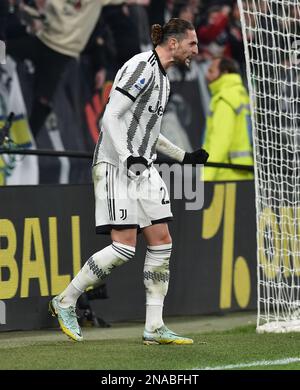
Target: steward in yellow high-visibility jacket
x: 228, y: 126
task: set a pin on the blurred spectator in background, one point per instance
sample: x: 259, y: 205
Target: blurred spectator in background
x: 186, y: 10
x: 236, y: 38
x: 3, y: 18
x: 49, y: 36
x: 121, y: 32
x: 205, y: 4
x: 99, y: 56
x: 14, y: 169
x: 59, y: 30
x: 125, y: 31
x: 213, y: 32
x: 140, y: 16
x: 156, y: 12
x: 228, y: 127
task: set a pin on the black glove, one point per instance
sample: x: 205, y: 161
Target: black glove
x: 136, y: 165
x: 199, y: 156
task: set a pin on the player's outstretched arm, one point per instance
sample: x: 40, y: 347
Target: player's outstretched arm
x: 166, y: 147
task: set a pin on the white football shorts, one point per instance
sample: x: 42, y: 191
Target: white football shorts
x: 123, y: 203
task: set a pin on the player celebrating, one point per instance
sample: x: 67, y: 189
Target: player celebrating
x: 123, y: 158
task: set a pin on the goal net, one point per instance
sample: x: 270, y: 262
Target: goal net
x: 271, y: 33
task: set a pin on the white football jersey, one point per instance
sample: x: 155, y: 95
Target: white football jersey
x: 146, y: 86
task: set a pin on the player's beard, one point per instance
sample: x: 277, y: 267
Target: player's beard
x: 186, y: 62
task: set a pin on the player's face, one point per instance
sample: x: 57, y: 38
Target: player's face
x: 213, y: 72
x: 186, y: 49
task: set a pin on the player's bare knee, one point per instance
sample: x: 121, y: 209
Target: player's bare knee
x: 161, y: 239
x: 157, y: 234
x: 166, y: 238
x: 125, y: 237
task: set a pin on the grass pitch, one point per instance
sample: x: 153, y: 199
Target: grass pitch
x: 219, y: 342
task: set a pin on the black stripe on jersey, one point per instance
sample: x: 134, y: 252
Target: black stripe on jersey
x: 135, y: 76
x: 122, y: 74
x: 126, y: 94
x: 153, y: 149
x: 99, y: 142
x: 95, y: 156
x: 107, y: 195
x: 151, y: 58
x: 140, y: 107
x: 159, y: 64
x: 152, y: 121
x: 110, y: 197
x: 111, y: 192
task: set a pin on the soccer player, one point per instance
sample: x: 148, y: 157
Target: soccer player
x: 123, y: 158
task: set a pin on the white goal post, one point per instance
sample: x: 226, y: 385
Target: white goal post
x: 271, y: 33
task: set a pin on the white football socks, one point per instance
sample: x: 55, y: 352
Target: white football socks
x: 95, y: 269
x: 156, y: 280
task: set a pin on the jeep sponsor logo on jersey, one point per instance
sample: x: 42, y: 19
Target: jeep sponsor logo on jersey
x: 158, y: 109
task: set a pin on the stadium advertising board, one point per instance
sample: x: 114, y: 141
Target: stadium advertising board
x: 46, y: 232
